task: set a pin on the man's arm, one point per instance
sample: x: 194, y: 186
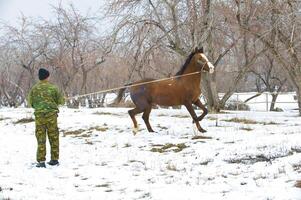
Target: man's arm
x: 60, y: 97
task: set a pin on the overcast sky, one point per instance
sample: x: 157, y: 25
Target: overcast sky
x: 10, y: 10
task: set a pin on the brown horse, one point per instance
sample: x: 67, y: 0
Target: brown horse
x: 184, y: 89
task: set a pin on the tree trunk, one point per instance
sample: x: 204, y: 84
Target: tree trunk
x: 298, y: 93
x: 83, y: 89
x: 209, y: 80
x: 274, y: 98
x: 210, y: 92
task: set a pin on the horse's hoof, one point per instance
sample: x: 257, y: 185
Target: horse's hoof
x: 135, y: 131
x: 202, y: 130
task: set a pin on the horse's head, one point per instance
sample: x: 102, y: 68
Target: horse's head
x: 202, y: 61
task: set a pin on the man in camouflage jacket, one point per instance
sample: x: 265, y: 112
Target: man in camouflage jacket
x: 45, y: 98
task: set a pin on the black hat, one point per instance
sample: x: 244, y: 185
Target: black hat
x: 43, y: 74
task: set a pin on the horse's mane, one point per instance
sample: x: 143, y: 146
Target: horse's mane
x: 181, y: 71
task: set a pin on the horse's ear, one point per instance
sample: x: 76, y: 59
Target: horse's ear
x: 195, y: 49
x: 201, y: 50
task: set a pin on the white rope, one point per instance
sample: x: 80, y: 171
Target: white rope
x: 133, y: 85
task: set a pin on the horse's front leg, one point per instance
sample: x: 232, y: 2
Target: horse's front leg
x: 204, y: 109
x: 194, y: 117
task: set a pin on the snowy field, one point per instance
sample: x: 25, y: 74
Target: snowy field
x: 250, y: 155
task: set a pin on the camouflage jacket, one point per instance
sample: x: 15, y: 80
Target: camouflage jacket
x: 45, y: 97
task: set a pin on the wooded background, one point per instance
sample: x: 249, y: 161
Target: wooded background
x: 255, y: 45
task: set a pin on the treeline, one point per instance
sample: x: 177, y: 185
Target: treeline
x: 254, y: 44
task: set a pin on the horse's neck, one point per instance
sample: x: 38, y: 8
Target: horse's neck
x: 190, y: 73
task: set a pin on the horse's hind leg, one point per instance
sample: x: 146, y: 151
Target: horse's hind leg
x: 145, y: 117
x: 204, y: 109
x: 132, y: 113
x: 194, y: 117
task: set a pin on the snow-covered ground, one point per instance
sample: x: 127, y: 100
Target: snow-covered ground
x: 251, y: 155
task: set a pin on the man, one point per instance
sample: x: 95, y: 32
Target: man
x: 45, y: 98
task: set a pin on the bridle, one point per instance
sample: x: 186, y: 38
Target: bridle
x: 202, y: 64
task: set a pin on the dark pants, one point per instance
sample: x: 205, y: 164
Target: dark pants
x: 46, y: 123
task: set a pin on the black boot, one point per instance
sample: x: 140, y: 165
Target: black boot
x: 53, y: 162
x: 41, y: 165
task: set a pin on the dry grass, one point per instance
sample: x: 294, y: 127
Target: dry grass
x: 200, y: 137
x: 127, y: 145
x: 105, y: 185
x: 270, y: 123
x: 181, y: 116
x: 3, y: 118
x: 206, y: 162
x: 162, y: 115
x: 89, y: 142
x: 245, y: 128
x: 177, y: 116
x: 137, y: 161
x: 100, y: 129
x: 241, y: 120
x: 249, y: 159
x: 162, y: 127
x: 167, y: 147
x: 171, y: 167
x: 107, y: 113
x: 24, y: 120
x: 297, y: 167
x: 73, y: 133
x: 248, y: 121
x: 84, y: 133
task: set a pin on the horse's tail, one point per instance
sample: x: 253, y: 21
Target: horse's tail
x: 120, y: 94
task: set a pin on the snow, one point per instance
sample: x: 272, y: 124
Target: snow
x: 260, y: 160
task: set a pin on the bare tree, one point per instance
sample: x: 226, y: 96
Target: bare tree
x: 27, y: 45
x: 70, y: 45
x: 271, y: 76
x: 278, y: 28
x: 249, y: 46
x: 11, y: 79
x: 77, y: 48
